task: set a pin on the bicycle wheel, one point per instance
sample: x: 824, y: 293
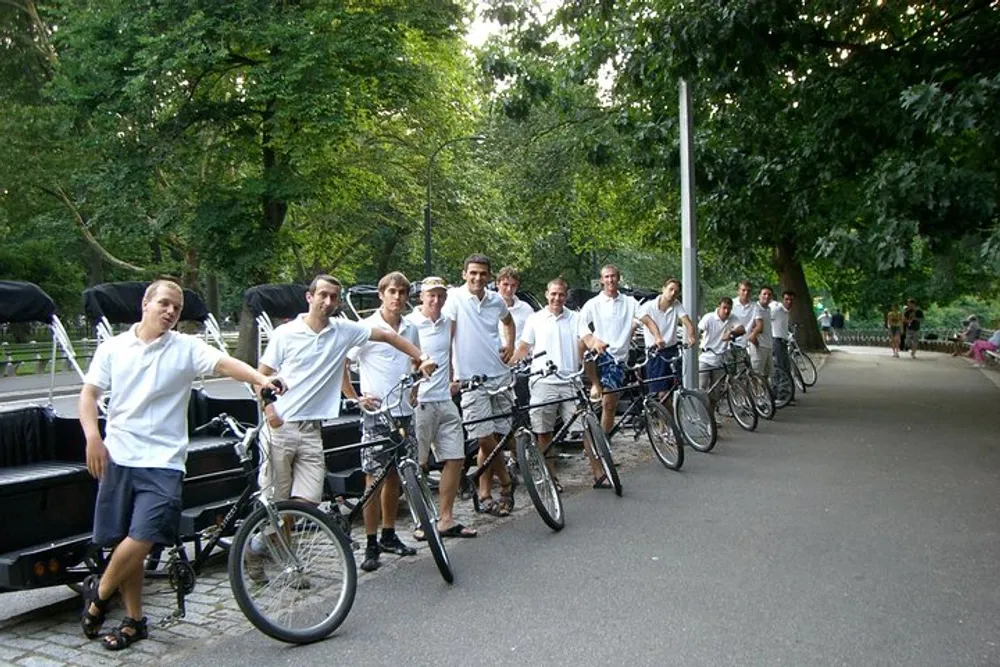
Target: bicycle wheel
x: 538, y: 481
x: 296, y: 583
x: 741, y: 404
x: 800, y: 384
x: 783, y: 386
x: 806, y: 367
x: 763, y: 399
x: 423, y: 518
x: 667, y: 445
x: 602, y: 450
x: 694, y: 420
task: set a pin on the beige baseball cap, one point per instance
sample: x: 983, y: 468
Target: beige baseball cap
x: 433, y: 282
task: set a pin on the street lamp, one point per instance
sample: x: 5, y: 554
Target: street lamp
x: 478, y: 138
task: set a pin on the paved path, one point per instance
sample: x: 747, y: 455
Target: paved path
x: 859, y: 528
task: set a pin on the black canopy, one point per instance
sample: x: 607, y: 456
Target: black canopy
x: 285, y: 301
x: 578, y: 296
x: 24, y: 302
x: 121, y: 303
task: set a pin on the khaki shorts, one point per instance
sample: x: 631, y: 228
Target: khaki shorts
x: 543, y: 419
x: 439, y: 424
x: 762, y: 360
x: 294, y: 467
x: 477, y: 404
x: 708, y: 374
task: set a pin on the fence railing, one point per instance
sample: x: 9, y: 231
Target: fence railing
x: 936, y: 340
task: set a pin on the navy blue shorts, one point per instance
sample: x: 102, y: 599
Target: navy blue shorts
x: 611, y: 373
x: 660, y: 367
x: 141, y: 503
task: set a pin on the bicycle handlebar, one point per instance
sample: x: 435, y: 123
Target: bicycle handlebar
x: 520, y: 368
x: 406, y: 382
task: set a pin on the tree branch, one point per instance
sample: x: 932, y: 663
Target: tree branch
x: 90, y: 239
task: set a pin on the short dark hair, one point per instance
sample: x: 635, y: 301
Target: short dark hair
x: 745, y: 283
x: 476, y: 258
x: 326, y: 278
x: 510, y: 273
x: 672, y: 280
x: 393, y: 279
x: 766, y: 287
x: 726, y: 301
x: 790, y: 293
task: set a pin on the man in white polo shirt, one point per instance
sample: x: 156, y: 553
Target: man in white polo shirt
x: 614, y: 317
x: 780, y: 334
x: 479, y: 351
x: 149, y: 370
x: 761, y: 356
x: 508, y: 282
x: 746, y: 312
x: 667, y: 311
x: 553, y: 330
x: 381, y: 369
x: 439, y: 423
x: 716, y: 329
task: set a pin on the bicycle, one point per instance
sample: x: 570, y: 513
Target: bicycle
x: 401, y: 447
x: 646, y: 413
x: 760, y: 392
x: 531, y: 467
x: 734, y: 387
x: 593, y: 433
x: 802, y: 365
x: 690, y: 410
x: 308, y: 558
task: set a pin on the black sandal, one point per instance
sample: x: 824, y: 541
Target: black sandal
x: 89, y: 622
x: 506, y: 504
x: 118, y: 639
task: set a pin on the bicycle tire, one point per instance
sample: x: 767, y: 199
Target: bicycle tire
x: 763, y: 398
x: 538, y: 481
x: 741, y: 404
x: 336, y: 566
x: 423, y: 517
x: 800, y: 384
x: 783, y: 386
x: 806, y: 367
x: 693, y: 418
x: 602, y: 450
x: 662, y: 432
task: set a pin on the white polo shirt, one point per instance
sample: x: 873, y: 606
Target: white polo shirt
x: 613, y: 319
x: 715, y: 335
x: 150, y: 386
x: 779, y: 320
x: 435, y: 342
x: 765, y: 336
x: 666, y: 320
x: 520, y: 311
x: 557, y: 336
x: 477, y: 333
x: 382, y: 366
x: 313, y: 365
x: 745, y: 315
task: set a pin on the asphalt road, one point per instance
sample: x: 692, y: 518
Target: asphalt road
x: 860, y: 528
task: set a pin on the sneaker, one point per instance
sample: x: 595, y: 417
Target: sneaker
x: 254, y: 564
x: 371, y: 561
x: 394, y: 545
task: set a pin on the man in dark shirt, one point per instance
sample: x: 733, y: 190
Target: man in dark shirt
x: 912, y: 317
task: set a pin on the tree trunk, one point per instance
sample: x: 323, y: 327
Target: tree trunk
x: 246, y: 345
x: 786, y: 263
x: 212, y: 295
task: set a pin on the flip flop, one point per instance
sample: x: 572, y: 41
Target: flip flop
x: 602, y: 482
x: 458, y: 530
x: 418, y: 535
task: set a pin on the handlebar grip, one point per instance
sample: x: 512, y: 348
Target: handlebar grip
x: 540, y: 354
x: 214, y: 421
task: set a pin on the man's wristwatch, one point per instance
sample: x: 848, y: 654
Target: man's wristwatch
x: 424, y: 357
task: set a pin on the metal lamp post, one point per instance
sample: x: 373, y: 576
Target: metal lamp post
x: 427, y: 206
